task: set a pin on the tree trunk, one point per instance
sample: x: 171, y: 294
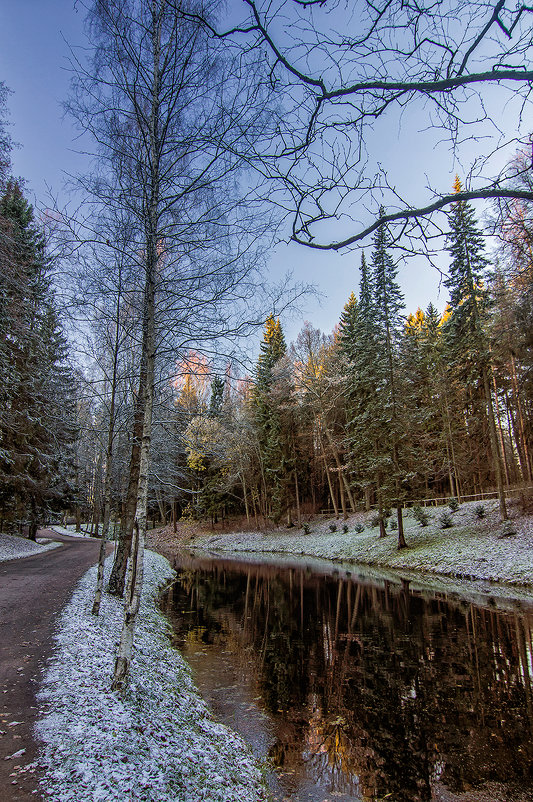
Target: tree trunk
x: 34, y: 523
x: 297, y: 493
x: 108, y: 461
x: 331, y: 490
x: 135, y: 567
x: 500, y: 432
x: 118, y: 572
x: 245, y: 496
x: 342, y: 474
x: 493, y: 437
x: 525, y: 460
x: 401, y: 538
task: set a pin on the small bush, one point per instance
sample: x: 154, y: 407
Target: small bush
x: 333, y: 527
x: 345, y: 528
x: 420, y: 516
x: 393, y: 524
x: 359, y: 528
x: 307, y: 529
x: 453, y: 504
x: 508, y: 529
x: 374, y: 521
x: 480, y: 511
x: 445, y: 520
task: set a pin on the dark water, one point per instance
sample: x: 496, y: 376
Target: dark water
x: 359, y: 691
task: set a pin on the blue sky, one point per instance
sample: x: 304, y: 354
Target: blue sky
x: 34, y: 65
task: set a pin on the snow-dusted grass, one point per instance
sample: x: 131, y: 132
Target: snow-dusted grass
x: 14, y: 548
x: 158, y: 741
x: 470, y: 549
x: 70, y: 531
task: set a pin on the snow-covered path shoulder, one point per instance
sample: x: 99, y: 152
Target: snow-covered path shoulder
x: 15, y: 548
x: 156, y: 743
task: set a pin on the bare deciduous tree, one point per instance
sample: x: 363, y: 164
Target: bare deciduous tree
x: 348, y: 77
x: 170, y: 120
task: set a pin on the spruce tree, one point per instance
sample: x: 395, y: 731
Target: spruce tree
x: 358, y: 342
x: 271, y: 400
x: 466, y: 328
x: 37, y: 398
x: 391, y: 408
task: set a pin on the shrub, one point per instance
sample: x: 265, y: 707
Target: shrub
x: 345, y: 528
x: 420, y: 516
x: 374, y: 521
x: 333, y: 527
x: 480, y: 511
x: 508, y: 529
x: 453, y: 504
x: 359, y: 528
x: 393, y: 524
x: 445, y: 520
x: 307, y: 529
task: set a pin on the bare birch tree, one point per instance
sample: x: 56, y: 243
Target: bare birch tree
x: 168, y: 115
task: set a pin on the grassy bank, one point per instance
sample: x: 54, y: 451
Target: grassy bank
x: 471, y: 547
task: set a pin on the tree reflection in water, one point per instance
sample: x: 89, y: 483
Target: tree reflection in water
x: 371, y: 692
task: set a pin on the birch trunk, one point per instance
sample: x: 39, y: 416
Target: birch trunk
x: 135, y: 567
x: 108, y: 459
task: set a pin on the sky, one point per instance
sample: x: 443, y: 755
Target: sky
x: 35, y: 36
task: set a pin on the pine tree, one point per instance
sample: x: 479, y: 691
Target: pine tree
x: 465, y: 330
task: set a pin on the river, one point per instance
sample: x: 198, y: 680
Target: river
x: 347, y: 688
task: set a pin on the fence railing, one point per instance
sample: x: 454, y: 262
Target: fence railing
x: 443, y: 500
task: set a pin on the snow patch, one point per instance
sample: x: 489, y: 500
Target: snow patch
x: 14, y: 548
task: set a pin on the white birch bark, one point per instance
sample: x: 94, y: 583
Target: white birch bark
x: 135, y: 567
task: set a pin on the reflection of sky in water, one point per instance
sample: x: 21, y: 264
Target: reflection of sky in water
x: 353, y: 692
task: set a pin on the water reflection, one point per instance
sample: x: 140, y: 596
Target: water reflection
x: 361, y: 691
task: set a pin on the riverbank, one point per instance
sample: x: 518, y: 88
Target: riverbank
x: 471, y: 548
x: 155, y: 743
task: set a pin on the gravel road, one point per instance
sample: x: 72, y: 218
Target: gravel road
x: 33, y: 590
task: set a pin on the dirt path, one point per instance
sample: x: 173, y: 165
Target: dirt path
x: 33, y: 590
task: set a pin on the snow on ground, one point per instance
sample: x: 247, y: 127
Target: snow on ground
x: 13, y: 547
x: 470, y: 549
x: 71, y: 532
x: 156, y: 743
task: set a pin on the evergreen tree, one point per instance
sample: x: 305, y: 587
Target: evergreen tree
x: 37, y: 391
x: 434, y: 423
x: 217, y: 397
x: 465, y: 330
x: 271, y: 401
x: 358, y: 342
x: 392, y: 407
